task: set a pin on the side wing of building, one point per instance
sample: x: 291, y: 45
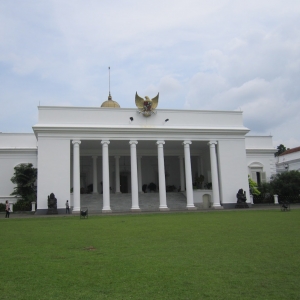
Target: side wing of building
x: 15, y: 149
x: 260, y: 158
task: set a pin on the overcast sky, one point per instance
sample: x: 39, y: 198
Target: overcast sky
x: 206, y: 55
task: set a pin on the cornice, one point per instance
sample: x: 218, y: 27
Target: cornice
x: 91, y: 108
x: 139, y: 130
x: 266, y: 151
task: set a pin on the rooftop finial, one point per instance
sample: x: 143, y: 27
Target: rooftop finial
x: 109, y: 95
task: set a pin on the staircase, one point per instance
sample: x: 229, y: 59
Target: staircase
x: 123, y: 202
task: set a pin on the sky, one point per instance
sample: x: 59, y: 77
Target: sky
x: 198, y: 54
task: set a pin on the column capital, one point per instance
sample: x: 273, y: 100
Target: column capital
x: 180, y: 157
x: 117, y: 156
x: 133, y: 142
x: 186, y: 143
x: 161, y: 142
x: 94, y: 156
x: 210, y: 143
x: 76, y: 142
x: 103, y: 142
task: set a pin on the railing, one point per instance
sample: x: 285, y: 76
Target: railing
x: 269, y: 199
x: 290, y: 199
x: 263, y: 199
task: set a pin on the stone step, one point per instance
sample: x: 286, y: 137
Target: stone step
x: 122, y: 202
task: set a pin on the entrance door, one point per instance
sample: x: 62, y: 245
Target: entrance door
x: 124, y: 183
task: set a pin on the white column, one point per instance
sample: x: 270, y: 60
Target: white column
x: 76, y: 176
x: 140, y: 180
x: 275, y: 199
x: 134, y: 179
x: 214, y: 175
x: 188, y: 176
x: 33, y: 203
x: 181, y: 167
x: 105, y: 177
x: 117, y: 163
x: 162, y: 177
x: 95, y: 180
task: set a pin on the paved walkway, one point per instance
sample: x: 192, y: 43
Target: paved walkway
x: 149, y: 203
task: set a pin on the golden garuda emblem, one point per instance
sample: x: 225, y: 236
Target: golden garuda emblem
x: 146, y: 106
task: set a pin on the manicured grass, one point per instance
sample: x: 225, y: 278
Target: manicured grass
x: 214, y: 255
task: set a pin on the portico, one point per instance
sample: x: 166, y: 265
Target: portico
x: 103, y: 151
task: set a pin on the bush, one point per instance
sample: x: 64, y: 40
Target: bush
x: 24, y: 178
x: 152, y: 187
x: 2, y: 207
x: 286, y: 184
x: 22, y: 205
x: 253, y: 187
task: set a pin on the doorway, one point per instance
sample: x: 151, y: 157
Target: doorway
x: 124, y: 182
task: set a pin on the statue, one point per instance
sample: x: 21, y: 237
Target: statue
x: 52, y: 205
x: 241, y: 199
x: 146, y: 106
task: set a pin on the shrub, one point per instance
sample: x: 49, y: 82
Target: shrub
x: 286, y: 184
x: 2, y: 207
x: 22, y: 205
x: 25, y: 176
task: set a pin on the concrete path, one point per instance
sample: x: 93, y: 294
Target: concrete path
x: 149, y: 203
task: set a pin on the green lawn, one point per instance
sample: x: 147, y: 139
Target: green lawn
x: 214, y: 255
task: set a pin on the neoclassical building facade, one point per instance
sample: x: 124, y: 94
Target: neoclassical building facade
x: 111, y: 150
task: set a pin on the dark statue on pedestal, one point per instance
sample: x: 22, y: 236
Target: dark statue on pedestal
x: 52, y: 205
x: 241, y: 199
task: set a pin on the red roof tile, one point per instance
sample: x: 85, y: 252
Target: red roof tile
x: 290, y: 151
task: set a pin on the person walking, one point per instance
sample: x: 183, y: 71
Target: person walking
x: 67, y: 207
x: 7, y: 209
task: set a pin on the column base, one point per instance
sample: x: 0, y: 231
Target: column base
x: 118, y: 193
x: 106, y: 211
x: 217, y: 207
x: 164, y: 208
x: 135, y: 209
x: 191, y: 208
x: 75, y: 210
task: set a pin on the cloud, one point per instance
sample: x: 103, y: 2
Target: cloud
x: 198, y: 54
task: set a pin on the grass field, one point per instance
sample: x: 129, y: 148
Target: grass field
x: 214, y: 255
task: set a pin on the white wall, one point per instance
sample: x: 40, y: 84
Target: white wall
x: 53, y: 171
x: 15, y: 148
x: 290, y: 161
x: 260, y: 154
x: 17, y: 141
x: 8, y: 161
x: 232, y: 169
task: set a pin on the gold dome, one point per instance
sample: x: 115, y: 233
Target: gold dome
x: 110, y: 103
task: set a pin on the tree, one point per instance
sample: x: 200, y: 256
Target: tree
x: 286, y: 184
x: 280, y: 149
x: 253, y: 187
x: 25, y: 177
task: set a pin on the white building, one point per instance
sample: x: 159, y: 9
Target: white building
x: 118, y: 150
x: 288, y: 160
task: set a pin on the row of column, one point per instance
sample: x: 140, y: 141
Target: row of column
x: 136, y: 175
x: 139, y: 175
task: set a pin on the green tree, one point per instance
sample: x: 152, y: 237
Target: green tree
x: 286, y: 184
x: 280, y: 149
x: 25, y: 177
x: 253, y: 187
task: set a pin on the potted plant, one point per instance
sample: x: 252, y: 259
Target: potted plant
x: 152, y: 187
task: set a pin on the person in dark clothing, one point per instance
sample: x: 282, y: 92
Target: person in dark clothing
x: 67, y: 207
x: 7, y: 209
